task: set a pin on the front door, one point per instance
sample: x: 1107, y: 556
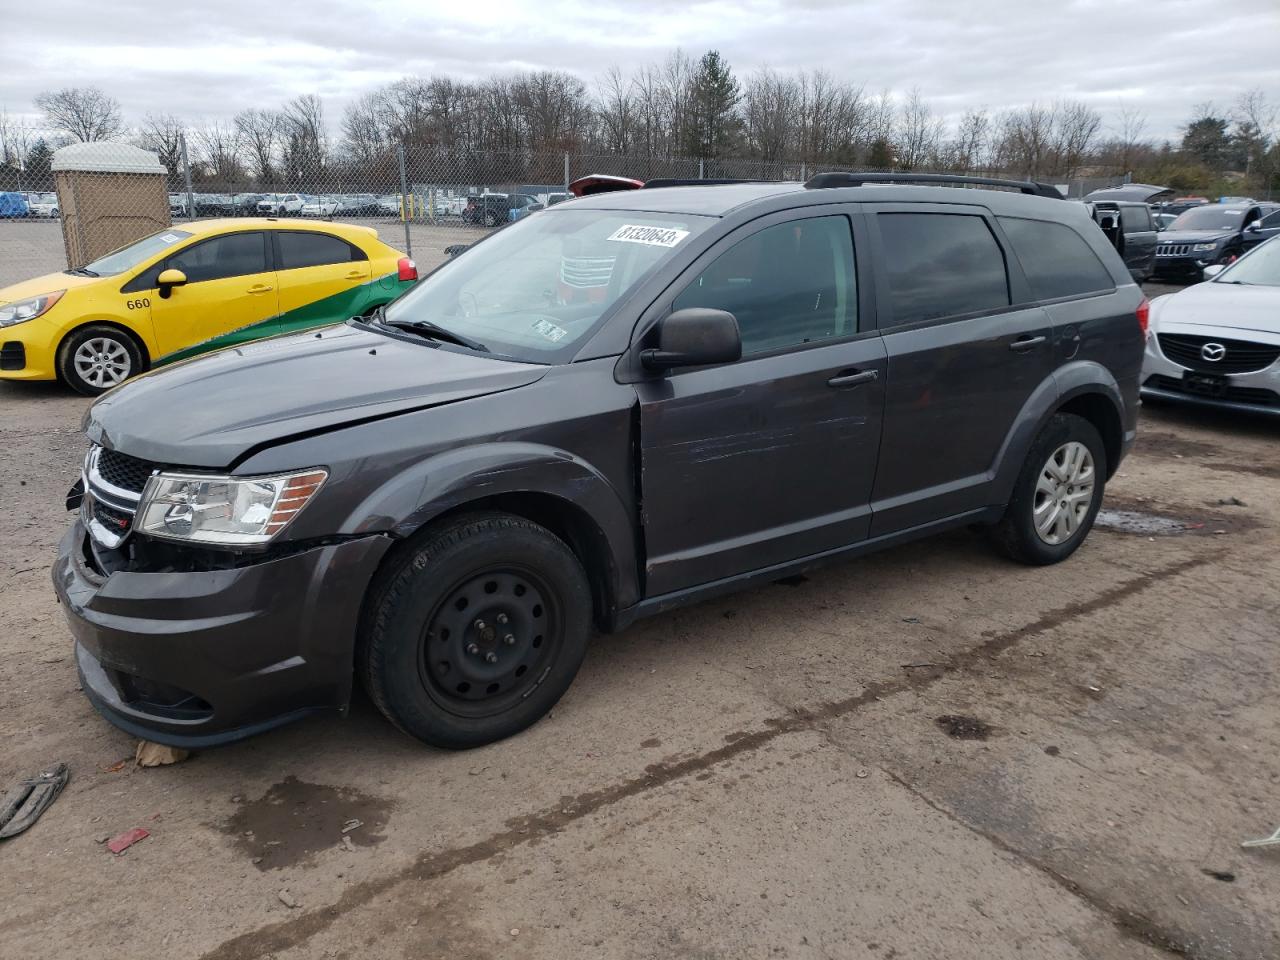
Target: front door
x: 962, y: 358
x: 1139, y: 240
x: 323, y: 279
x: 230, y: 296
x: 770, y: 459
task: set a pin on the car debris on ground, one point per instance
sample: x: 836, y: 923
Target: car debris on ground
x: 30, y: 797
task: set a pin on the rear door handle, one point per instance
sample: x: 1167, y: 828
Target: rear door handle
x: 1023, y: 344
x: 354, y: 275
x: 260, y: 288
x: 853, y: 379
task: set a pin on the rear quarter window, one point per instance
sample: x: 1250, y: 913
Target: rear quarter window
x: 1057, y: 260
x: 1135, y: 219
x: 314, y: 249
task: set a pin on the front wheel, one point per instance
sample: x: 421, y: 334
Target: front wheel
x: 1057, y: 494
x: 476, y: 632
x: 96, y: 358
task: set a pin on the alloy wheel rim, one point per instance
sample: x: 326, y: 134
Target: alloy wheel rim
x: 102, y: 362
x: 489, y: 642
x: 1064, y: 493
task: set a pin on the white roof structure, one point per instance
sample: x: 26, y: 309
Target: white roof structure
x: 105, y: 157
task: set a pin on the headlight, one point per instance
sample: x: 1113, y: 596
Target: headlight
x: 224, y: 510
x: 1204, y: 247
x: 23, y: 310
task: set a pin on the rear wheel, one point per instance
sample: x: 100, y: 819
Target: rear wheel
x: 1057, y: 494
x: 98, y: 357
x: 476, y: 632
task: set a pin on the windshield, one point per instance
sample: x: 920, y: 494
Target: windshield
x: 126, y: 258
x: 1261, y: 266
x: 533, y: 290
x: 1208, y: 218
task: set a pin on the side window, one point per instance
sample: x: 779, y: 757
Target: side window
x: 1057, y: 260
x: 230, y: 255
x: 1135, y: 219
x: 789, y: 284
x: 941, y: 265
x: 314, y: 250
x: 1271, y: 220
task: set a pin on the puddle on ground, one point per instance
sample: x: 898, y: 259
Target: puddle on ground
x: 294, y: 820
x: 1144, y: 519
x: 964, y: 728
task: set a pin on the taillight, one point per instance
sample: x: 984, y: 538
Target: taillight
x: 406, y: 269
x: 1144, y: 316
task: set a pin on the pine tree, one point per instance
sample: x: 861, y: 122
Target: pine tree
x: 714, y: 96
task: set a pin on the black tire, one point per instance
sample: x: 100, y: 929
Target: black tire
x: 127, y: 359
x: 435, y: 618
x: 1015, y: 535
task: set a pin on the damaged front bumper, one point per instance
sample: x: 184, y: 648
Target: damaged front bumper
x: 200, y: 658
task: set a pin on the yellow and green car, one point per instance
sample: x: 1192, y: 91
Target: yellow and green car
x: 191, y: 289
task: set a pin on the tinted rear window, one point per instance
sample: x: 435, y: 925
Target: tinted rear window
x: 313, y: 250
x: 1135, y: 219
x: 1056, y: 259
x: 941, y: 265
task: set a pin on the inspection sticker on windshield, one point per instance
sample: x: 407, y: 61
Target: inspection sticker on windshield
x: 170, y: 238
x: 550, y: 330
x: 650, y: 236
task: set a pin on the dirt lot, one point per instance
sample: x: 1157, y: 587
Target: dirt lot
x: 929, y: 753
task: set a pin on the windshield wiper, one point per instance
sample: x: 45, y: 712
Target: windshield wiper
x: 82, y: 272
x: 432, y: 330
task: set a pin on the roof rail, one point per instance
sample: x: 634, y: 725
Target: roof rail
x: 693, y: 182
x: 823, y: 181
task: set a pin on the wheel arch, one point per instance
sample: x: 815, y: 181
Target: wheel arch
x: 138, y: 339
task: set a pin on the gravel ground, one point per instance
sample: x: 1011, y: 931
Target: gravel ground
x: 921, y: 754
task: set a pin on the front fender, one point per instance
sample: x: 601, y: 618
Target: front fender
x: 1060, y: 387
x: 454, y: 478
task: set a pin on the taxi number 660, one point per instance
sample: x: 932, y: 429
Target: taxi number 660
x: 138, y: 304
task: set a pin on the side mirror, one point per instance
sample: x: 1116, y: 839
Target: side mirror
x: 169, y: 279
x: 694, y: 337
x: 1212, y: 270
x: 1254, y: 227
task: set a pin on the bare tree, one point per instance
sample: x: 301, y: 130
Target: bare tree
x: 162, y: 134
x: 919, y: 133
x: 1075, y: 127
x: 617, y: 110
x: 305, y: 138
x: 968, y: 151
x: 220, y: 145
x: 260, y: 134
x: 84, y: 113
x: 1256, y: 133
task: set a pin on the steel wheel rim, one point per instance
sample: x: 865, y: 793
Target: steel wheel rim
x: 102, y: 362
x: 477, y: 664
x: 1064, y: 493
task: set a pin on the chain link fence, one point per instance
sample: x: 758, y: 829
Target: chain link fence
x: 417, y: 200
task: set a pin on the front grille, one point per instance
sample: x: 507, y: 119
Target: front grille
x: 123, y: 471
x: 1173, y: 250
x: 586, y: 271
x: 1241, y: 356
x: 116, y: 521
x: 13, y: 356
x: 1257, y: 396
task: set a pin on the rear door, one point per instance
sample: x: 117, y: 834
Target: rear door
x: 1139, y: 240
x: 323, y: 278
x: 750, y: 464
x: 965, y: 350
x: 230, y: 295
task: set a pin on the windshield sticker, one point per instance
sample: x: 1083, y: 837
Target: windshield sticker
x: 171, y: 238
x: 551, y: 331
x: 650, y: 236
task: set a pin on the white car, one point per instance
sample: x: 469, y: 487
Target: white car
x: 1217, y: 343
x: 320, y: 207
x: 43, y: 204
x: 280, y: 203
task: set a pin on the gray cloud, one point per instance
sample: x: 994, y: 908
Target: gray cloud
x: 163, y: 57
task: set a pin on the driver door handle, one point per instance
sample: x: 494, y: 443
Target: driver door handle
x: 260, y: 288
x: 853, y: 378
x: 1023, y: 344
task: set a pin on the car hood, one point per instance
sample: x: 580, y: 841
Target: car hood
x: 1222, y: 310
x: 1194, y: 236
x: 45, y: 284
x: 211, y: 411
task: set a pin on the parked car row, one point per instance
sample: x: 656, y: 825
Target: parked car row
x: 20, y: 204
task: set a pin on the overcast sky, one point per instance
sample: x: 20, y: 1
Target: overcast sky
x: 1159, y: 57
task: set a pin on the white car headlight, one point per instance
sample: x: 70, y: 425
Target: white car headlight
x: 230, y: 511
x: 1203, y: 247
x: 21, y: 311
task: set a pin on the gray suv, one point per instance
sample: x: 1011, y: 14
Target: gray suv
x: 446, y: 498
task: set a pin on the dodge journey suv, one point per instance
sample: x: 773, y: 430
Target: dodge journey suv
x: 445, y: 498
